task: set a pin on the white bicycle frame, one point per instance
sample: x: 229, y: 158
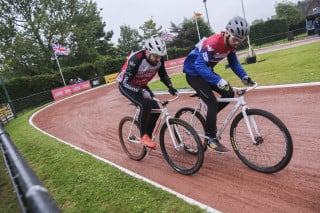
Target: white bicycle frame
x: 164, y: 118
x: 240, y: 102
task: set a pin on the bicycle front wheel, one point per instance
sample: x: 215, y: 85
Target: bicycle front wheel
x: 181, y: 146
x: 272, y: 148
x: 196, y: 120
x: 129, y: 135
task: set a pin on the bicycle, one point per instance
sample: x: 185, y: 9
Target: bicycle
x: 184, y: 151
x: 259, y: 138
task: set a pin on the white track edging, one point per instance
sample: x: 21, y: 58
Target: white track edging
x: 129, y: 172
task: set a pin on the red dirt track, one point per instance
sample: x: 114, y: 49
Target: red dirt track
x: 90, y: 121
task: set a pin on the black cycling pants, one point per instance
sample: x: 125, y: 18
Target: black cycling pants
x: 205, y: 92
x: 146, y: 119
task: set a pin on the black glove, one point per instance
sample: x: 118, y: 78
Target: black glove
x: 172, y: 90
x: 248, y: 81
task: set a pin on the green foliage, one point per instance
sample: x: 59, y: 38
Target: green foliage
x: 129, y: 40
x: 290, y: 12
x: 23, y: 86
x: 31, y: 30
x: 108, y: 65
x: 187, y: 34
x: 26, y: 85
x: 25, y: 58
x: 271, y: 30
x: 174, y: 52
x: 84, y: 71
x: 149, y: 29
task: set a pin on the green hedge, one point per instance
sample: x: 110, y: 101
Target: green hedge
x: 30, y: 91
x: 269, y: 31
x: 24, y: 86
x: 178, y: 52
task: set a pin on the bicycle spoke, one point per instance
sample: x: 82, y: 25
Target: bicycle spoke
x: 185, y: 156
x: 272, y: 149
x: 195, y: 119
x: 129, y: 135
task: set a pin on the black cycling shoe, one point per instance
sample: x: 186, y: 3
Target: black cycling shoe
x: 215, y: 145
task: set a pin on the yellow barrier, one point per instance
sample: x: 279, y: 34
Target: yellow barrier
x: 111, y: 77
x: 5, y: 113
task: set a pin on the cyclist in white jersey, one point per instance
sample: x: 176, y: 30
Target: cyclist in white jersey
x: 136, y: 73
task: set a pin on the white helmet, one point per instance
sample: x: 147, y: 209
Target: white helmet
x: 238, y: 27
x: 155, y: 45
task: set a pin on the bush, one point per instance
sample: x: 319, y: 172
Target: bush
x: 269, y: 31
x: 108, y: 65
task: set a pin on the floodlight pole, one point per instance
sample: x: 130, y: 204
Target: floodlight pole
x: 244, y: 16
x: 205, y: 5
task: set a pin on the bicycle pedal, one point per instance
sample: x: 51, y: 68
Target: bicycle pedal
x: 149, y: 149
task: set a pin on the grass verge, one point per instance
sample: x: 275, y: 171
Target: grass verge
x: 79, y: 182
x: 295, y: 65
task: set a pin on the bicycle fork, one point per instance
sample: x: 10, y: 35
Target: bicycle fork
x: 250, y: 122
x: 134, y: 137
x: 176, y: 145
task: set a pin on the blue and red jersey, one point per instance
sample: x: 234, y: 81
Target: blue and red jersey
x: 208, y: 52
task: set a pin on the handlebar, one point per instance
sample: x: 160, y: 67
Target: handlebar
x: 165, y: 102
x: 242, y: 90
x: 239, y: 90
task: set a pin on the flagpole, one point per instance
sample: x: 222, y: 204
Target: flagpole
x: 165, y: 46
x: 60, y: 69
x: 197, y: 26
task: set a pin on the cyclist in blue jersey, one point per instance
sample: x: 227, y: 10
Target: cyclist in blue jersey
x: 198, y: 67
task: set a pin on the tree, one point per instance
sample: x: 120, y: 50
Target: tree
x: 129, y: 40
x: 187, y: 34
x: 290, y: 12
x: 257, y: 21
x: 149, y: 29
x: 31, y: 26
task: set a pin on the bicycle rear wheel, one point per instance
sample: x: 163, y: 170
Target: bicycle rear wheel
x: 129, y: 135
x: 272, y: 150
x: 196, y: 120
x: 182, y: 149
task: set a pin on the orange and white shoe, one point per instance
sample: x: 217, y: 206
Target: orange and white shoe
x: 146, y: 141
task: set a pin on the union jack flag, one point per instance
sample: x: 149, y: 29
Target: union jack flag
x: 60, y: 49
x: 167, y: 36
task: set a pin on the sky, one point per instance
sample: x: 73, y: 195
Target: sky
x: 132, y: 13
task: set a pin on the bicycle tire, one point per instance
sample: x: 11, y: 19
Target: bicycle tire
x: 273, y: 150
x: 130, y: 143
x: 181, y: 158
x: 196, y: 120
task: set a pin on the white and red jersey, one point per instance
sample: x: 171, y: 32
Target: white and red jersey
x: 137, y: 72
